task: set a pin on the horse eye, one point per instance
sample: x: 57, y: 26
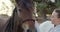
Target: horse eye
x: 20, y: 10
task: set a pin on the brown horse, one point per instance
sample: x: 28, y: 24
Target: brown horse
x: 21, y: 19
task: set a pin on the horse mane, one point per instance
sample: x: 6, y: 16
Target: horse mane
x: 11, y: 23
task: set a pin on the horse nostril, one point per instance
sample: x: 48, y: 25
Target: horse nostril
x: 29, y: 30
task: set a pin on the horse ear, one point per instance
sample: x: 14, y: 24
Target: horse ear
x: 27, y: 2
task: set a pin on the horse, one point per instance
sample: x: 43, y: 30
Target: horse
x: 22, y: 18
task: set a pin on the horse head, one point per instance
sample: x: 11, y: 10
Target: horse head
x: 25, y: 8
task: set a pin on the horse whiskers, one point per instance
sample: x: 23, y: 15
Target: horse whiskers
x: 25, y: 26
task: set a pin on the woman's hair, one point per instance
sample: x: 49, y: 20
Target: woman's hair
x: 57, y: 11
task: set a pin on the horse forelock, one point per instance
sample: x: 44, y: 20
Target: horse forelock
x: 25, y: 4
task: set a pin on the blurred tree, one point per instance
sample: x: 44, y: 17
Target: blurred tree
x: 13, y: 1
x: 45, y: 6
x: 57, y: 3
x: 37, y: 0
x: 42, y: 7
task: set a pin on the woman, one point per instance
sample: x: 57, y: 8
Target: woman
x: 55, y: 18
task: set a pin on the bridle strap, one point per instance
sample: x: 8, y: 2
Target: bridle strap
x: 29, y: 20
x: 18, y: 12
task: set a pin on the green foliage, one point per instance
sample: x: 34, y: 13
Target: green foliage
x: 49, y: 11
x: 58, y: 4
x: 39, y: 13
x: 41, y: 5
x: 13, y: 1
x: 37, y: 0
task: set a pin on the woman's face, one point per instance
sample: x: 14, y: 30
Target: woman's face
x: 54, y: 18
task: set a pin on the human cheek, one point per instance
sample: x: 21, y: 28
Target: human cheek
x: 52, y: 20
